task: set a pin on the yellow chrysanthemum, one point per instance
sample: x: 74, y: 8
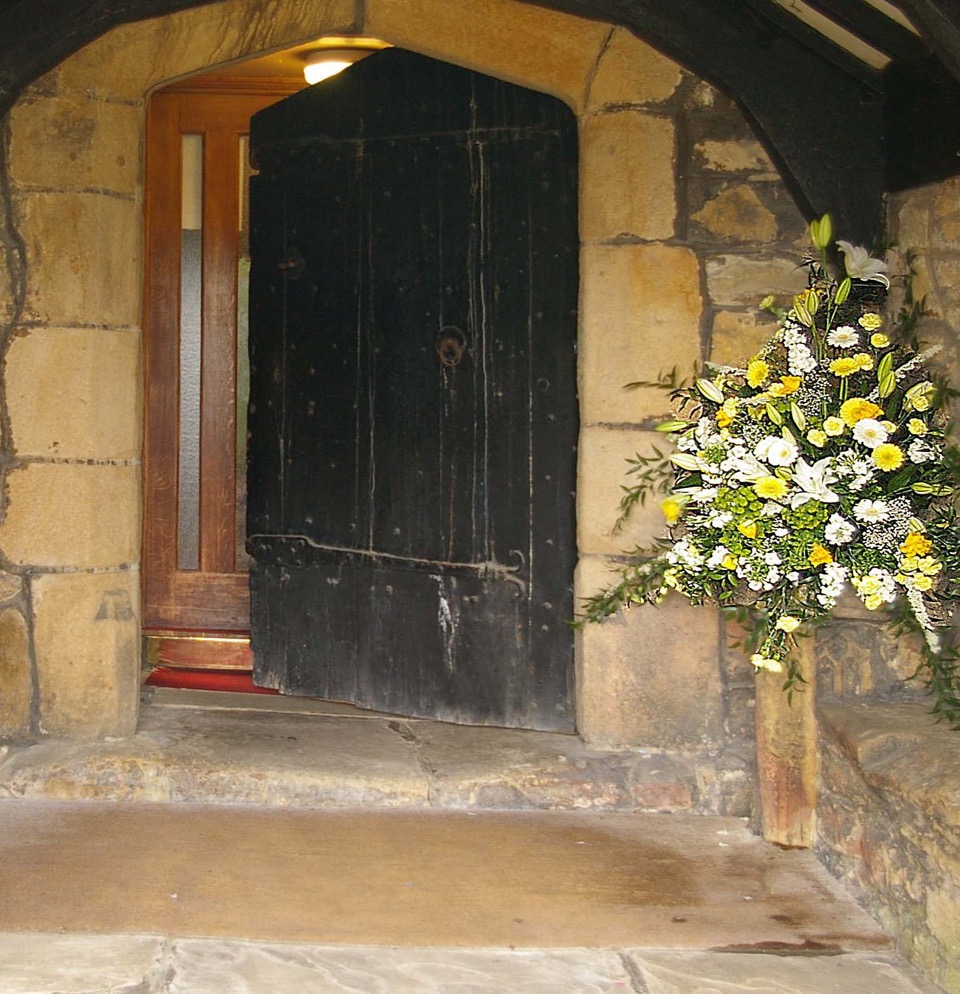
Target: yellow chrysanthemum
x: 770, y: 488
x: 845, y: 366
x: 879, y: 340
x: 871, y: 322
x: 916, y: 544
x: 757, y: 372
x: 858, y: 409
x: 819, y: 556
x: 672, y: 509
x: 887, y: 457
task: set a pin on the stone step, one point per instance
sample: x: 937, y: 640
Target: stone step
x: 203, y: 747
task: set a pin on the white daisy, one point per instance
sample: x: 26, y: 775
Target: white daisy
x: 844, y: 337
x: 870, y: 432
x: 871, y: 511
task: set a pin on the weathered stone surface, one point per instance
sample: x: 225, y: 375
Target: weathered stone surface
x: 131, y: 59
x: 649, y: 676
x: 702, y: 972
x: 10, y: 586
x: 72, y: 515
x: 84, y: 254
x: 204, y: 966
x: 16, y: 674
x: 743, y: 155
x: 737, y: 214
x: 507, y: 768
x: 744, y: 280
x: 73, y: 393
x: 520, y: 43
x: 603, y: 473
x: 641, y: 317
x: 73, y: 142
x: 87, y: 646
x: 945, y: 230
x: 861, y: 655
x: 738, y: 335
x: 48, y: 963
x: 631, y: 72
x: 617, y: 149
x: 889, y: 824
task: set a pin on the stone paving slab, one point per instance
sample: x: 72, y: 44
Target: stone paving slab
x: 36, y: 963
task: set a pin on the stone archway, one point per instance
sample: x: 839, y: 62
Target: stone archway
x: 669, y: 274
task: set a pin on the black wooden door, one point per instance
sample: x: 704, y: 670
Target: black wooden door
x: 413, y: 410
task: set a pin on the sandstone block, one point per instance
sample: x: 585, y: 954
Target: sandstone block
x: 16, y: 675
x: 734, y: 280
x: 72, y: 515
x: 910, y: 219
x: 641, y: 312
x: 603, y: 472
x: 73, y: 393
x: 521, y: 43
x: 650, y: 676
x: 627, y: 177
x: 736, y: 214
x: 132, y: 58
x: 631, y: 72
x: 73, y: 142
x: 87, y: 644
x: 742, y: 155
x: 738, y: 335
x: 945, y: 216
x: 84, y: 258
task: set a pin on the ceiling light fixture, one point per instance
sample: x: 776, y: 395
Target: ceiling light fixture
x: 331, y: 56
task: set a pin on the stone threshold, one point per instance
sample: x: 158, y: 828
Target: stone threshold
x: 205, y: 747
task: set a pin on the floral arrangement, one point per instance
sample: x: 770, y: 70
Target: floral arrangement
x: 823, y: 463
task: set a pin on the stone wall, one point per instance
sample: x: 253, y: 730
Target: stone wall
x: 685, y: 225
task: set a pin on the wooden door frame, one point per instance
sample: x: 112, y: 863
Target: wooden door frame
x: 214, y: 598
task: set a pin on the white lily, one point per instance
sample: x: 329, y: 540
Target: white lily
x: 748, y: 469
x: 813, y: 482
x: 860, y: 265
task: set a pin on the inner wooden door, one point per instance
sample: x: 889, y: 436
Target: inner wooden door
x: 195, y: 586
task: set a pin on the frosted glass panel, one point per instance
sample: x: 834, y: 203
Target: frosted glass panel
x: 191, y: 247
x: 243, y: 358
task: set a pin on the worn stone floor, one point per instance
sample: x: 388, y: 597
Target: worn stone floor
x: 395, y: 864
